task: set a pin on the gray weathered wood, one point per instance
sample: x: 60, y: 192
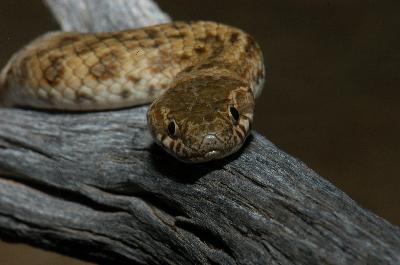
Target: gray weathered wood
x: 105, y: 15
x: 94, y: 186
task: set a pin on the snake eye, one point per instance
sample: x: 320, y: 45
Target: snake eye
x: 235, y: 113
x: 171, y: 128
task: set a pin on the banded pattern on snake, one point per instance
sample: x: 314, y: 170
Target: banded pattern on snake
x: 201, y: 77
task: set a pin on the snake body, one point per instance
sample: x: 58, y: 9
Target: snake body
x: 201, y: 77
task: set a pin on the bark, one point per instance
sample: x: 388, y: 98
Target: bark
x: 94, y: 186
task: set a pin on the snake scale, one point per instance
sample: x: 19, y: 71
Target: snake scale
x: 201, y: 77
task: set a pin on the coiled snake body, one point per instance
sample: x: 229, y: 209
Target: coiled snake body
x: 201, y: 77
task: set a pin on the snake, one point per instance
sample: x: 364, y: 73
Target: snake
x: 201, y: 78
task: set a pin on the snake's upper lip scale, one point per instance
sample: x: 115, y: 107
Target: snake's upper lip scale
x: 200, y: 158
x: 213, y: 154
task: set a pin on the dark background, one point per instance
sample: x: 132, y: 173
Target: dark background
x: 331, y: 97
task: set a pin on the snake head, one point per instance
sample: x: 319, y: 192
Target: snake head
x: 202, y: 122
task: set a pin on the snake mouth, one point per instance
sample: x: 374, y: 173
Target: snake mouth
x: 210, y: 155
x: 214, y: 154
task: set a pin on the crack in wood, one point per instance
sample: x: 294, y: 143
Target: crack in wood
x: 14, y: 143
x: 155, y: 201
x: 57, y: 192
x: 205, y: 235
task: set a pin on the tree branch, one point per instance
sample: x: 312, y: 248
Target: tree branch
x: 102, y: 15
x: 94, y: 186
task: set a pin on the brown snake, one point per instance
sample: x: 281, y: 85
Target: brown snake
x: 202, y: 78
